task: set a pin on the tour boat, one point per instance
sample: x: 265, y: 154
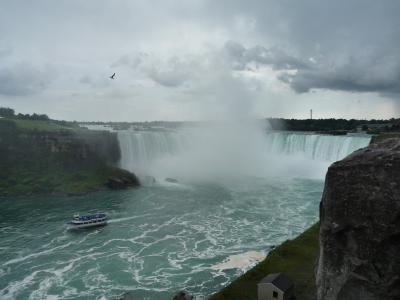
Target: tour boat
x: 86, y: 221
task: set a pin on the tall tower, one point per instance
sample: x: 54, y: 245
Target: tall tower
x: 311, y: 114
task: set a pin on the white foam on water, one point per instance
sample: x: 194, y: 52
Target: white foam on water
x: 118, y: 220
x: 11, y: 291
x: 240, y: 261
x: 35, y: 255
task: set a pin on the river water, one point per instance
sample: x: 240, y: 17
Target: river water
x: 197, y: 234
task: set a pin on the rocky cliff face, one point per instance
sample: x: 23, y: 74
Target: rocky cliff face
x: 59, y: 162
x: 360, y: 226
x: 85, y: 147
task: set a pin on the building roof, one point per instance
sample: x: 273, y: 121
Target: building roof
x: 280, y: 280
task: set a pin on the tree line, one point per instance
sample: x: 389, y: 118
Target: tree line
x: 6, y: 112
x: 319, y: 125
x: 333, y: 124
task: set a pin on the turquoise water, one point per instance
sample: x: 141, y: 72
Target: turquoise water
x: 241, y: 191
x: 161, y: 238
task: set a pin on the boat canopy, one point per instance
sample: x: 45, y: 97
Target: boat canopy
x: 90, y: 217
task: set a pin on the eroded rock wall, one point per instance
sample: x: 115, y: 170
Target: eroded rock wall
x: 67, y: 147
x: 360, y: 226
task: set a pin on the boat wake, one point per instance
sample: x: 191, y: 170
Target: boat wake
x: 119, y: 220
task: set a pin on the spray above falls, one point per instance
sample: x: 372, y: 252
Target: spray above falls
x: 226, y: 150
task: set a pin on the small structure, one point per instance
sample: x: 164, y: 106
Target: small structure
x: 276, y: 286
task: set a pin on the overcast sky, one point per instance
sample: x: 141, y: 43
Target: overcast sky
x: 200, y: 59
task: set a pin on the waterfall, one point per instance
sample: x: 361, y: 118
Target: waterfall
x: 170, y: 151
x: 139, y: 149
x: 315, y: 146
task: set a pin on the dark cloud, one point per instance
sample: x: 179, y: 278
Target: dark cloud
x: 172, y: 72
x: 274, y: 56
x: 369, y: 71
x: 22, y: 79
x: 380, y: 75
x: 349, y: 45
x: 343, y: 45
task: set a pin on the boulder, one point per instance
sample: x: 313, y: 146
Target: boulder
x: 183, y: 295
x: 126, y: 296
x: 360, y: 226
x: 172, y: 180
x: 122, y: 179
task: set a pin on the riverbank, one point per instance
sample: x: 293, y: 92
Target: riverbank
x: 296, y: 258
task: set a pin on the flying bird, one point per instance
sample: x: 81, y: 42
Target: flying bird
x: 112, y: 76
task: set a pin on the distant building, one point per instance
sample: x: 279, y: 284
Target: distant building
x: 276, y: 286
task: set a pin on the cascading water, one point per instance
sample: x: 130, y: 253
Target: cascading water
x: 167, y: 151
x: 139, y: 149
x: 315, y: 146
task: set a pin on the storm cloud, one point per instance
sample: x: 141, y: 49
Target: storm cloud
x: 374, y: 76
x: 339, y: 45
x: 173, y: 58
x: 274, y: 56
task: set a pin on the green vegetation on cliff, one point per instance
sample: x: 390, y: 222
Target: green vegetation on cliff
x: 47, y: 156
x: 56, y: 180
x: 38, y: 125
x: 296, y: 258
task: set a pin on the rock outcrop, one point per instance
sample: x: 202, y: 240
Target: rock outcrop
x: 123, y: 179
x: 183, y: 295
x: 360, y: 226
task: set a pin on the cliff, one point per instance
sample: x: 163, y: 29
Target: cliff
x: 360, y: 225
x: 54, y: 160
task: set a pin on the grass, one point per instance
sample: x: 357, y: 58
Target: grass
x: 54, y: 180
x: 39, y: 125
x: 28, y: 181
x: 296, y: 258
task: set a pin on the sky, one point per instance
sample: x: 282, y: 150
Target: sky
x: 200, y: 59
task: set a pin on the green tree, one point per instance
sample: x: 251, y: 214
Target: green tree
x: 7, y: 112
x: 39, y: 117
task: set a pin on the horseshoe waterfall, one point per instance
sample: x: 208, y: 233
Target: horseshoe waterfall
x: 217, y: 201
